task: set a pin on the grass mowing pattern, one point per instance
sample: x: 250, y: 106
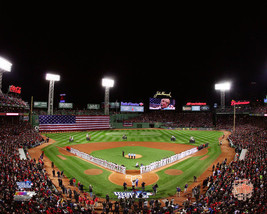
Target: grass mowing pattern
x: 74, y: 167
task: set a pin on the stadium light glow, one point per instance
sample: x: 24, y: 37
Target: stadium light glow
x: 53, y: 77
x: 5, y: 66
x: 222, y: 87
x: 106, y: 82
x: 226, y: 86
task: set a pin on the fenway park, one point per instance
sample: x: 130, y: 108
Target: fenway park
x: 141, y: 114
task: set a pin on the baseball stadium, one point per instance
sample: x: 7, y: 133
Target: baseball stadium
x: 139, y: 119
x: 93, y: 162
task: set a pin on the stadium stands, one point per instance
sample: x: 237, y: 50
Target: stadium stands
x: 250, y: 134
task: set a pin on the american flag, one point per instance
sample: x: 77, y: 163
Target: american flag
x: 72, y: 122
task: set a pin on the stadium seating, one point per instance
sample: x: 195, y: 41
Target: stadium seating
x: 250, y: 134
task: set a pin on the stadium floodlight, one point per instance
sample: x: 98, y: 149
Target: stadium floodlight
x: 107, y: 83
x: 51, y: 78
x: 226, y: 86
x: 222, y: 87
x: 5, y: 66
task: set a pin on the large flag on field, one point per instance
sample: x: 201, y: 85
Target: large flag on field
x: 72, y: 122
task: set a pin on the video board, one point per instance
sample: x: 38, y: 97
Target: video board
x: 161, y: 104
x: 131, y: 107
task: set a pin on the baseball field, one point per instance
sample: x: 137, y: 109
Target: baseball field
x: 149, y: 145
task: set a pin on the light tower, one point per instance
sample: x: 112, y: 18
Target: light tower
x: 5, y: 66
x: 222, y: 87
x: 51, y: 78
x: 107, y: 83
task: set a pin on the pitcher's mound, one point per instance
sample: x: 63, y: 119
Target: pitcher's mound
x: 93, y: 172
x: 136, y: 156
x: 173, y: 172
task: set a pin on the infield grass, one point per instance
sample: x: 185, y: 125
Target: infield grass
x: 75, y: 167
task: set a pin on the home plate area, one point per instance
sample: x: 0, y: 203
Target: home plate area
x: 119, y: 179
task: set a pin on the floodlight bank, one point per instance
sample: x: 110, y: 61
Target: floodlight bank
x: 5, y: 65
x: 53, y: 77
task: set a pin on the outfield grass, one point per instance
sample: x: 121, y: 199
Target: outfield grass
x: 75, y: 167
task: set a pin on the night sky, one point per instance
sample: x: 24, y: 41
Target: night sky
x: 184, y: 51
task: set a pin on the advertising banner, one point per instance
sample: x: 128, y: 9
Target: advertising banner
x: 23, y: 195
x: 93, y: 106
x: 24, y: 184
x: 132, y: 194
x: 127, y: 124
x: 38, y: 104
x: 65, y: 105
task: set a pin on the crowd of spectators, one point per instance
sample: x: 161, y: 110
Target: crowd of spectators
x: 250, y: 134
x: 12, y: 101
x: 243, y: 109
x: 220, y: 197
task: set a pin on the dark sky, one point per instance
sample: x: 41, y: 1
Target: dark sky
x: 182, y: 50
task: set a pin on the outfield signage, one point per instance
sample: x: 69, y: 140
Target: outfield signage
x: 132, y: 194
x: 131, y: 104
x: 239, y: 102
x: 196, y: 108
x: 196, y: 104
x: 65, y: 105
x: 93, y: 106
x: 187, y: 108
x: 127, y: 124
x: 39, y: 104
x: 14, y: 89
x: 162, y: 93
x: 132, y: 108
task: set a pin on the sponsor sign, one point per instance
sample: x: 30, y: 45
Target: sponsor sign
x: 132, y: 194
x: 187, y: 108
x: 239, y: 102
x: 132, y: 109
x: 195, y: 108
x: 24, y: 184
x: 65, y: 105
x: 162, y: 93
x: 40, y: 104
x: 196, y: 104
x: 127, y: 124
x: 23, y: 195
x: 204, y: 108
x: 93, y: 106
x: 15, y: 89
